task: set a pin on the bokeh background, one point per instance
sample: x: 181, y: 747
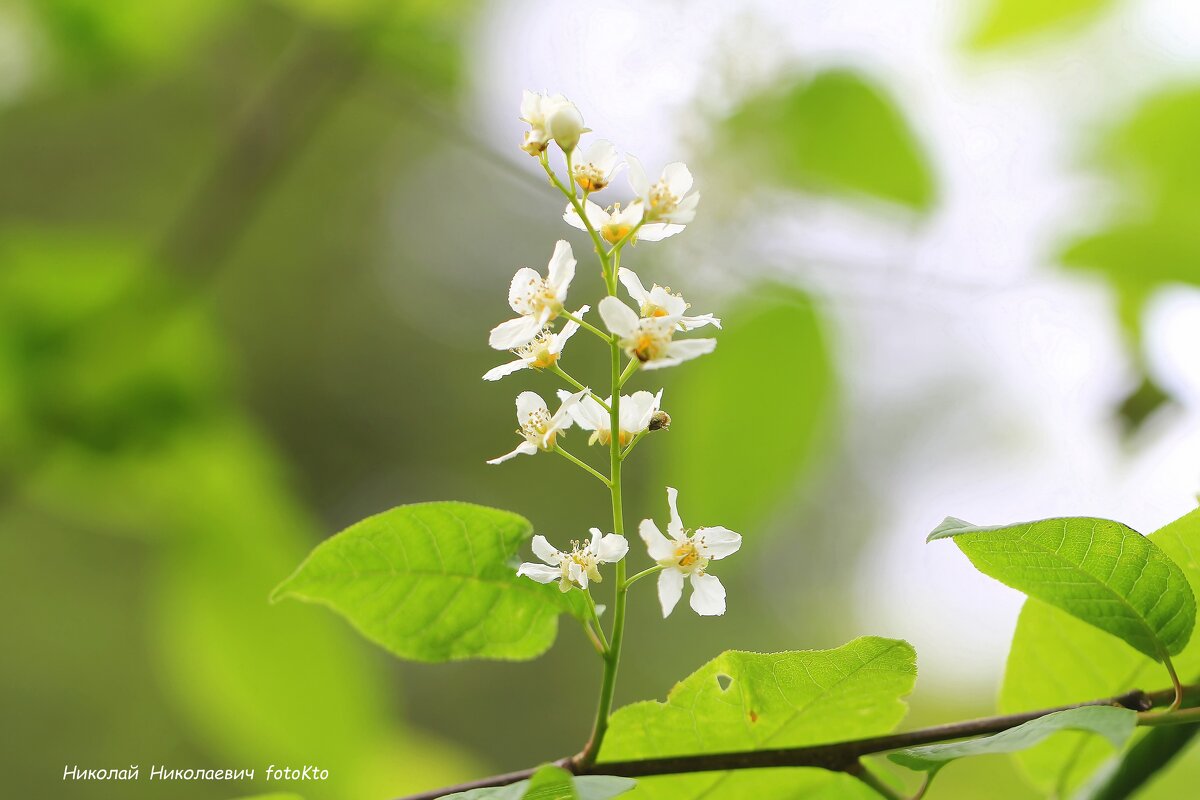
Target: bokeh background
x: 250, y: 252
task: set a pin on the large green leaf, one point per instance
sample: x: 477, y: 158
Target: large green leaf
x: 1113, y: 723
x: 831, y: 132
x: 1100, y: 571
x: 1006, y: 20
x: 774, y: 332
x: 1057, y: 659
x: 435, y: 582
x: 747, y: 701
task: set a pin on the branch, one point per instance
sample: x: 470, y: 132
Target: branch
x: 836, y: 757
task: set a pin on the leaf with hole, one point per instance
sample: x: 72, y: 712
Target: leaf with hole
x: 751, y: 701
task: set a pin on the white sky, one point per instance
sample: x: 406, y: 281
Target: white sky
x: 1030, y: 359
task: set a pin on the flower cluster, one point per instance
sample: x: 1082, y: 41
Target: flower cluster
x: 646, y: 332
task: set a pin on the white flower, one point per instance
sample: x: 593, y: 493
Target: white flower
x: 578, y: 566
x: 596, y: 169
x: 538, y: 300
x: 549, y: 117
x: 667, y: 200
x: 636, y: 412
x: 540, y: 352
x: 539, y: 429
x: 615, y: 223
x: 650, y: 339
x: 688, y: 555
x: 661, y: 302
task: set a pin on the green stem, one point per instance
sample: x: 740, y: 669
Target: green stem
x: 625, y: 453
x: 599, y: 629
x: 578, y: 206
x: 630, y: 368
x: 875, y: 782
x: 1178, y: 701
x: 613, y: 658
x: 581, y: 465
x: 1181, y: 716
x: 587, y: 325
x: 562, y: 373
x: 642, y: 574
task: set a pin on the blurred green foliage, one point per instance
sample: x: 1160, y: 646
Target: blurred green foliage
x: 225, y: 236
x: 1006, y: 21
x: 768, y: 430
x: 834, y: 131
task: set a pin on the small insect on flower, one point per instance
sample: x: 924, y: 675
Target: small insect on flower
x: 578, y: 567
x: 538, y: 300
x: 595, y: 170
x: 540, y: 352
x: 637, y: 411
x: 687, y: 555
x: 667, y: 199
x: 550, y: 117
x: 651, y: 339
x: 661, y: 302
x: 539, y: 428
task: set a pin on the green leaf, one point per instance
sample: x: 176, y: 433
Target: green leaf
x: 774, y: 331
x: 1006, y: 20
x: 1057, y: 659
x: 749, y: 701
x: 831, y: 132
x: 1100, y: 571
x: 435, y: 582
x: 1114, y: 724
x: 552, y: 783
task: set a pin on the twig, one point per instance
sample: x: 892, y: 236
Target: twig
x: 836, y: 757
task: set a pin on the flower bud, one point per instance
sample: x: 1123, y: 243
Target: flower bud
x: 661, y: 421
x: 565, y: 125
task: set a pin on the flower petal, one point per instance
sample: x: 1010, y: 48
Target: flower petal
x: 717, y: 541
x: 523, y: 449
x: 699, y: 321
x: 678, y: 178
x: 708, y: 595
x: 637, y: 177
x: 545, y: 551
x: 687, y: 349
x: 518, y: 288
x: 611, y: 548
x: 560, y: 339
x: 657, y: 545
x: 496, y: 373
x: 657, y: 231
x: 529, y: 403
x: 577, y: 574
x: 675, y: 526
x: 514, y: 333
x: 561, y: 269
x: 670, y: 589
x: 633, y: 285
x: 618, y: 317
x: 539, y: 572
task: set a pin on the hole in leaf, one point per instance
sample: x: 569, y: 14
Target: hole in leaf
x: 724, y: 681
